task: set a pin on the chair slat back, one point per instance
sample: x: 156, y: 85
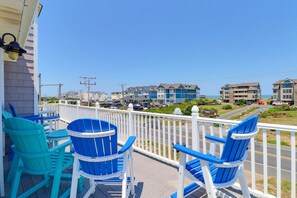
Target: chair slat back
x: 235, y: 149
x: 6, y: 115
x: 12, y: 109
x: 30, y: 143
x: 95, y: 146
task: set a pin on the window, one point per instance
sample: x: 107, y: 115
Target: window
x: 287, y: 85
x: 287, y: 90
x: 287, y: 96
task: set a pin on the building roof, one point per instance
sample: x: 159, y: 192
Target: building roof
x: 139, y: 98
x: 178, y: 85
x: 251, y: 84
x: 142, y: 88
x: 282, y: 81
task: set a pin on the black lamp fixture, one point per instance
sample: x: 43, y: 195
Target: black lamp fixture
x: 13, y: 48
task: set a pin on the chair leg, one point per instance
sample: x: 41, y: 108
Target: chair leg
x: 15, y: 183
x: 181, y: 175
x: 57, y: 176
x: 75, y: 176
x: 46, y: 177
x: 132, y: 187
x: 13, y: 168
x: 80, y: 184
x: 243, y: 184
x: 90, y: 191
x: 211, y: 192
x: 124, y: 186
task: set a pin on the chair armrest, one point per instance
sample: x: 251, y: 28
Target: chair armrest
x: 128, y: 144
x: 35, y: 118
x: 60, y: 146
x: 215, y: 139
x: 56, y: 117
x: 205, y: 157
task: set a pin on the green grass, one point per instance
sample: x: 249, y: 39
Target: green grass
x: 279, y: 116
x: 285, y: 187
x: 187, y: 106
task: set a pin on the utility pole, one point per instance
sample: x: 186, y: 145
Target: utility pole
x: 123, y: 95
x: 87, y: 82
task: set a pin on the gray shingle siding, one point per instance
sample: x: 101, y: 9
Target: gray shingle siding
x: 19, y: 80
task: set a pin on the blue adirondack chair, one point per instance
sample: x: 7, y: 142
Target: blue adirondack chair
x: 34, y: 157
x: 97, y: 157
x: 210, y: 172
x: 36, y: 118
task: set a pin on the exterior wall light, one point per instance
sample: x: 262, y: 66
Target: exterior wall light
x: 13, y: 48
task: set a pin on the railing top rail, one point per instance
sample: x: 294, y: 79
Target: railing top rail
x: 162, y: 115
x: 113, y: 110
x: 279, y: 127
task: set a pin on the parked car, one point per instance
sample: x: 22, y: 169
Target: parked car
x: 278, y: 103
x: 249, y: 102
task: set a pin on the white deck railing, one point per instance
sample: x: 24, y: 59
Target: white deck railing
x: 156, y: 133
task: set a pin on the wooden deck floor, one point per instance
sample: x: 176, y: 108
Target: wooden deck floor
x: 154, y: 179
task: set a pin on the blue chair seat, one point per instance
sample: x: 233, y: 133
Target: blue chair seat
x: 194, y: 167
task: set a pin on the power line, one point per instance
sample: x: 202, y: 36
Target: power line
x: 87, y: 82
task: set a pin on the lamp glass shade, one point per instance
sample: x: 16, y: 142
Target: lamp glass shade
x: 13, y: 55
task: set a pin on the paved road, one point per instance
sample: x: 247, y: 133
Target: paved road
x: 257, y: 111
x: 236, y: 112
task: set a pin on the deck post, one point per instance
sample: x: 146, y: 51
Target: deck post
x: 195, y: 135
x: 130, y: 109
x: 60, y: 102
x: 65, y: 110
x: 97, y: 106
x: 77, y: 108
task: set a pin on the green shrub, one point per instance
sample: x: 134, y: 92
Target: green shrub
x: 241, y: 102
x: 226, y: 107
x: 265, y: 114
x: 187, y: 110
x: 285, y: 107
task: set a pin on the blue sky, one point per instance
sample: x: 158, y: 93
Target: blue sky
x: 204, y: 42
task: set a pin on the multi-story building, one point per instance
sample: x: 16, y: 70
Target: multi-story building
x: 176, y: 93
x: 285, y: 91
x: 83, y: 95
x: 250, y: 92
x: 149, y: 92
x: 117, y: 95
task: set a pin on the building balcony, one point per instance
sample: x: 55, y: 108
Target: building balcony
x: 156, y: 133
